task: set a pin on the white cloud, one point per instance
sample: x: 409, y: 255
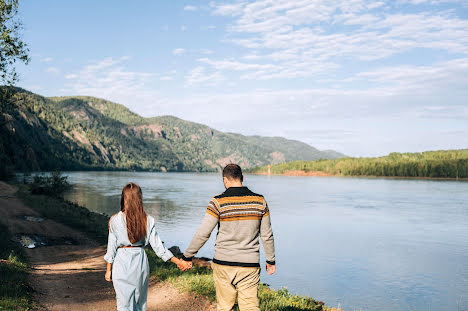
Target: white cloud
x: 166, y: 78
x: 199, y: 77
x: 298, y: 35
x: 206, y: 51
x: 450, y: 75
x: 234, y: 65
x: 53, y: 70
x: 178, y: 51
x: 110, y: 79
x: 46, y: 59
x: 190, y: 8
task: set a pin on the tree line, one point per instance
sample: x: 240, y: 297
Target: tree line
x: 431, y: 164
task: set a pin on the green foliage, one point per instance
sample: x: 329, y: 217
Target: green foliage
x: 54, y: 184
x: 431, y: 164
x: 12, y: 48
x: 15, y: 294
x: 71, y: 133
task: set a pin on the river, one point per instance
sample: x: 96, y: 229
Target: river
x: 359, y: 243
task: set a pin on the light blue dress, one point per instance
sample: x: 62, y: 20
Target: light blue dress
x: 130, y: 268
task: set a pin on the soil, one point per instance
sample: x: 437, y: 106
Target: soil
x: 71, y: 277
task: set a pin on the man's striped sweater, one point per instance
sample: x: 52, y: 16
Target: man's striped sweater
x: 242, y: 216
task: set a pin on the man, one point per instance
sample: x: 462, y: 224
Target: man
x: 241, y: 216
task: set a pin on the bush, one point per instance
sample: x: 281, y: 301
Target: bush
x: 53, y: 185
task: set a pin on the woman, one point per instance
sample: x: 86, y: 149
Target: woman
x: 130, y: 231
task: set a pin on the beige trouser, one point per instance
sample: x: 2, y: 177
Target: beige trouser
x: 236, y: 282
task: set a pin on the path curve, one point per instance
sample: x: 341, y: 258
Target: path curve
x: 71, y: 277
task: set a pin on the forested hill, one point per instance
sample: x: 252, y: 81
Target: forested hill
x: 69, y: 133
x: 430, y: 164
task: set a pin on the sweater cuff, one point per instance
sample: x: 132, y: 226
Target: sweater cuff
x: 272, y: 263
x: 167, y: 255
x: 186, y: 259
x: 109, y: 258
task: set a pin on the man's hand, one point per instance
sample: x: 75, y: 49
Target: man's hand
x: 270, y: 269
x: 184, y: 265
x: 108, y: 276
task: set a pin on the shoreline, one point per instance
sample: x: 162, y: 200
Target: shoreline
x: 292, y: 173
x: 302, y: 173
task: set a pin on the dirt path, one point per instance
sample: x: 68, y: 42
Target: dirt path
x: 71, y: 277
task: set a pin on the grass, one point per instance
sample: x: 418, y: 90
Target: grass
x: 68, y: 213
x: 15, y: 293
x: 198, y: 280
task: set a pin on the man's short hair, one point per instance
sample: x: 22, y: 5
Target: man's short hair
x: 233, y: 171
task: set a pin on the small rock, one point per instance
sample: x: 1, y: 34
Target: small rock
x: 34, y: 218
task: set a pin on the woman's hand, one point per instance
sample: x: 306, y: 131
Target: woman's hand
x: 182, y: 265
x: 108, y: 276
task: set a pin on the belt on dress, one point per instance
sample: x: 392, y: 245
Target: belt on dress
x: 130, y: 246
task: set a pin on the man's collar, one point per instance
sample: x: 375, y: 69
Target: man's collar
x: 237, y: 190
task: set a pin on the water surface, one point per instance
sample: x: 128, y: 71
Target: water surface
x: 363, y: 244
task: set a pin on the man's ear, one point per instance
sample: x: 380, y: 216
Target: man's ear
x: 242, y: 178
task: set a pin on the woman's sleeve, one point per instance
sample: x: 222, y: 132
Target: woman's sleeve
x: 111, y: 247
x: 157, y: 245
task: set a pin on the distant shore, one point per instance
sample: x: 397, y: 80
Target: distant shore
x: 302, y: 173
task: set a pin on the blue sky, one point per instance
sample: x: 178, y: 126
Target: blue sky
x: 362, y: 77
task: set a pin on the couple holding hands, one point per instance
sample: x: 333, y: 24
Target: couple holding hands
x: 241, y: 216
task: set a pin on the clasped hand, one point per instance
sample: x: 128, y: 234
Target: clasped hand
x: 184, y: 265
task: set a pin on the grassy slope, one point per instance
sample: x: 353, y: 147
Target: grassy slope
x: 198, y: 280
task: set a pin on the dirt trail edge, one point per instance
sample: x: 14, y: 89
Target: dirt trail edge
x: 69, y: 273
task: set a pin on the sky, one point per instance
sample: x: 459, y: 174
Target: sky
x: 365, y: 78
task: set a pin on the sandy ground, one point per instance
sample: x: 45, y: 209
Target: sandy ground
x: 71, y: 277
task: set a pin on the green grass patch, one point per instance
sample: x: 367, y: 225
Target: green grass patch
x: 15, y: 294
x: 77, y: 217
x: 199, y: 281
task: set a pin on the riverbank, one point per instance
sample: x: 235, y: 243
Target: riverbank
x: 63, y: 270
x: 302, y: 173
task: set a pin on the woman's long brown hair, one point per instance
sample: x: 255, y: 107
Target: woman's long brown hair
x: 131, y: 203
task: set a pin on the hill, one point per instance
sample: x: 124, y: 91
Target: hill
x: 430, y: 164
x: 71, y: 133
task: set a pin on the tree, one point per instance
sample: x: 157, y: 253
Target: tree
x: 12, y: 48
